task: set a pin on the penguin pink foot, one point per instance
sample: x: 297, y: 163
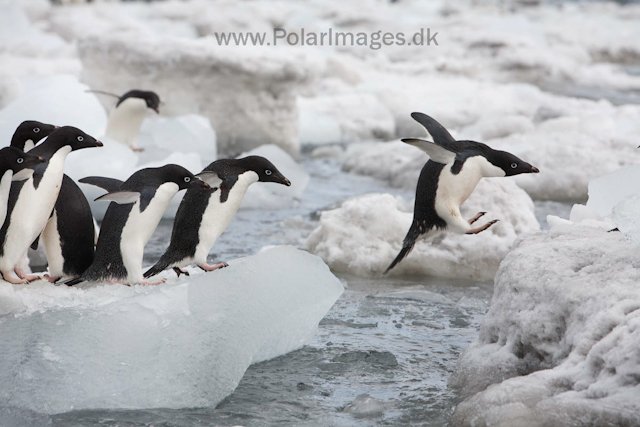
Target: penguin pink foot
x: 9, y: 278
x: 148, y: 283
x: 137, y: 149
x: 482, y: 227
x: 28, y: 277
x: 50, y: 279
x: 477, y: 217
x: 207, y: 267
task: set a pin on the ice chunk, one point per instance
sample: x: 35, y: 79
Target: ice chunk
x: 626, y: 217
x: 271, y: 195
x: 365, y: 406
x: 561, y: 338
x: 186, y: 343
x: 609, y: 190
x: 60, y: 100
x: 365, y: 234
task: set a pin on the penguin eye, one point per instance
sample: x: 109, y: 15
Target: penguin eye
x: 36, y: 130
x: 80, y: 138
x: 267, y: 172
x: 20, y: 160
x: 187, y: 179
x: 514, y: 165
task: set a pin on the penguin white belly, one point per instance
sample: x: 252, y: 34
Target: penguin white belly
x: 454, y: 190
x: 32, y: 210
x: 125, y: 121
x: 5, y: 186
x: 140, y: 227
x: 53, y: 247
x: 219, y: 215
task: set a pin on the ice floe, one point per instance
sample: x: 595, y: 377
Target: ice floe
x: 186, y: 343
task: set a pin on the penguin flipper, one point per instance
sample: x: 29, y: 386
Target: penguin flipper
x: 435, y: 152
x: 120, y: 197
x: 35, y: 243
x: 210, y: 178
x: 109, y: 184
x: 440, y: 135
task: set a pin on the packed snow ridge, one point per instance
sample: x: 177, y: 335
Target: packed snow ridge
x: 364, y: 235
x: 186, y: 343
x: 560, y: 343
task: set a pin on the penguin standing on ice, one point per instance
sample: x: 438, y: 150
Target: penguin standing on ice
x: 32, y: 201
x: 128, y: 114
x: 69, y: 236
x: 15, y: 165
x: 204, y: 214
x: 448, y: 179
x: 136, y: 209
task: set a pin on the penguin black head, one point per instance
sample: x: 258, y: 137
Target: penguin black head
x: 30, y: 130
x: 73, y: 137
x: 179, y: 175
x: 20, y: 163
x: 510, y: 164
x: 266, y: 171
x: 151, y: 98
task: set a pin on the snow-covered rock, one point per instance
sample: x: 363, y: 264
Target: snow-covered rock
x: 365, y: 234
x: 560, y: 343
x: 186, y: 343
x: 248, y: 93
x: 268, y: 195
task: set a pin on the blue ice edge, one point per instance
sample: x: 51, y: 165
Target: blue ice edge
x: 186, y: 343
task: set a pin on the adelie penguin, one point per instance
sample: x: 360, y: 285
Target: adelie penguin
x: 205, y: 213
x: 127, y: 116
x: 69, y: 236
x: 448, y: 179
x: 32, y: 201
x: 15, y: 165
x: 136, y: 209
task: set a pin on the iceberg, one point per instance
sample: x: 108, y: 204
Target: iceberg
x: 186, y: 343
x: 560, y: 343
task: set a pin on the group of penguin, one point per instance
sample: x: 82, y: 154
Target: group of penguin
x: 39, y: 202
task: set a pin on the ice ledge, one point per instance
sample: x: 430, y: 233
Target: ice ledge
x: 186, y: 343
x: 560, y: 343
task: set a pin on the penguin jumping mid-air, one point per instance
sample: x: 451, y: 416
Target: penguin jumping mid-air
x: 136, y: 209
x: 205, y: 213
x: 32, y: 201
x: 448, y: 179
x: 128, y: 114
x: 69, y: 236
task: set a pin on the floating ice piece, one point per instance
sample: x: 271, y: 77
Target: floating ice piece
x: 609, y: 190
x: 365, y: 234
x: 274, y: 196
x: 365, y: 406
x: 186, y: 343
x: 561, y: 339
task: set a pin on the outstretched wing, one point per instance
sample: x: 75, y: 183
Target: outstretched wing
x: 435, y: 152
x: 438, y: 133
x: 109, y: 184
x: 210, y: 178
x: 120, y: 197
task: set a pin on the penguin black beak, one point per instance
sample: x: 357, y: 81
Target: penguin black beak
x: 99, y: 144
x: 41, y: 159
x: 156, y: 109
x: 535, y: 169
x: 285, y: 181
x: 200, y: 184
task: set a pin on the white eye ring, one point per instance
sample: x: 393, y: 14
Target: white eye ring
x: 187, y: 179
x: 20, y: 160
x: 267, y: 172
x: 36, y: 130
x: 80, y: 138
x: 514, y: 165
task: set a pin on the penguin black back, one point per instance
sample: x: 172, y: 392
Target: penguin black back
x: 151, y: 98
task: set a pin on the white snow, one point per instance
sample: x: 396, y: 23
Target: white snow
x: 365, y: 234
x: 268, y: 195
x: 186, y: 343
x: 561, y: 340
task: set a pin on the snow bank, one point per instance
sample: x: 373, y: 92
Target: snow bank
x: 248, y: 93
x: 186, y: 343
x: 561, y: 340
x: 365, y: 234
x: 268, y: 195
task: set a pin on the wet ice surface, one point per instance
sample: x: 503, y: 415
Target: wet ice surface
x: 382, y: 356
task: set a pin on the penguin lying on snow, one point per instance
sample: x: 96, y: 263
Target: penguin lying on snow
x: 128, y: 114
x: 69, y: 236
x: 448, y: 179
x: 205, y: 213
x: 14, y: 166
x: 32, y: 201
x: 138, y: 205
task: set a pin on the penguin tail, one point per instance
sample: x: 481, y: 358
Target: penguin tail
x: 72, y: 282
x: 407, y: 246
x: 156, y: 269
